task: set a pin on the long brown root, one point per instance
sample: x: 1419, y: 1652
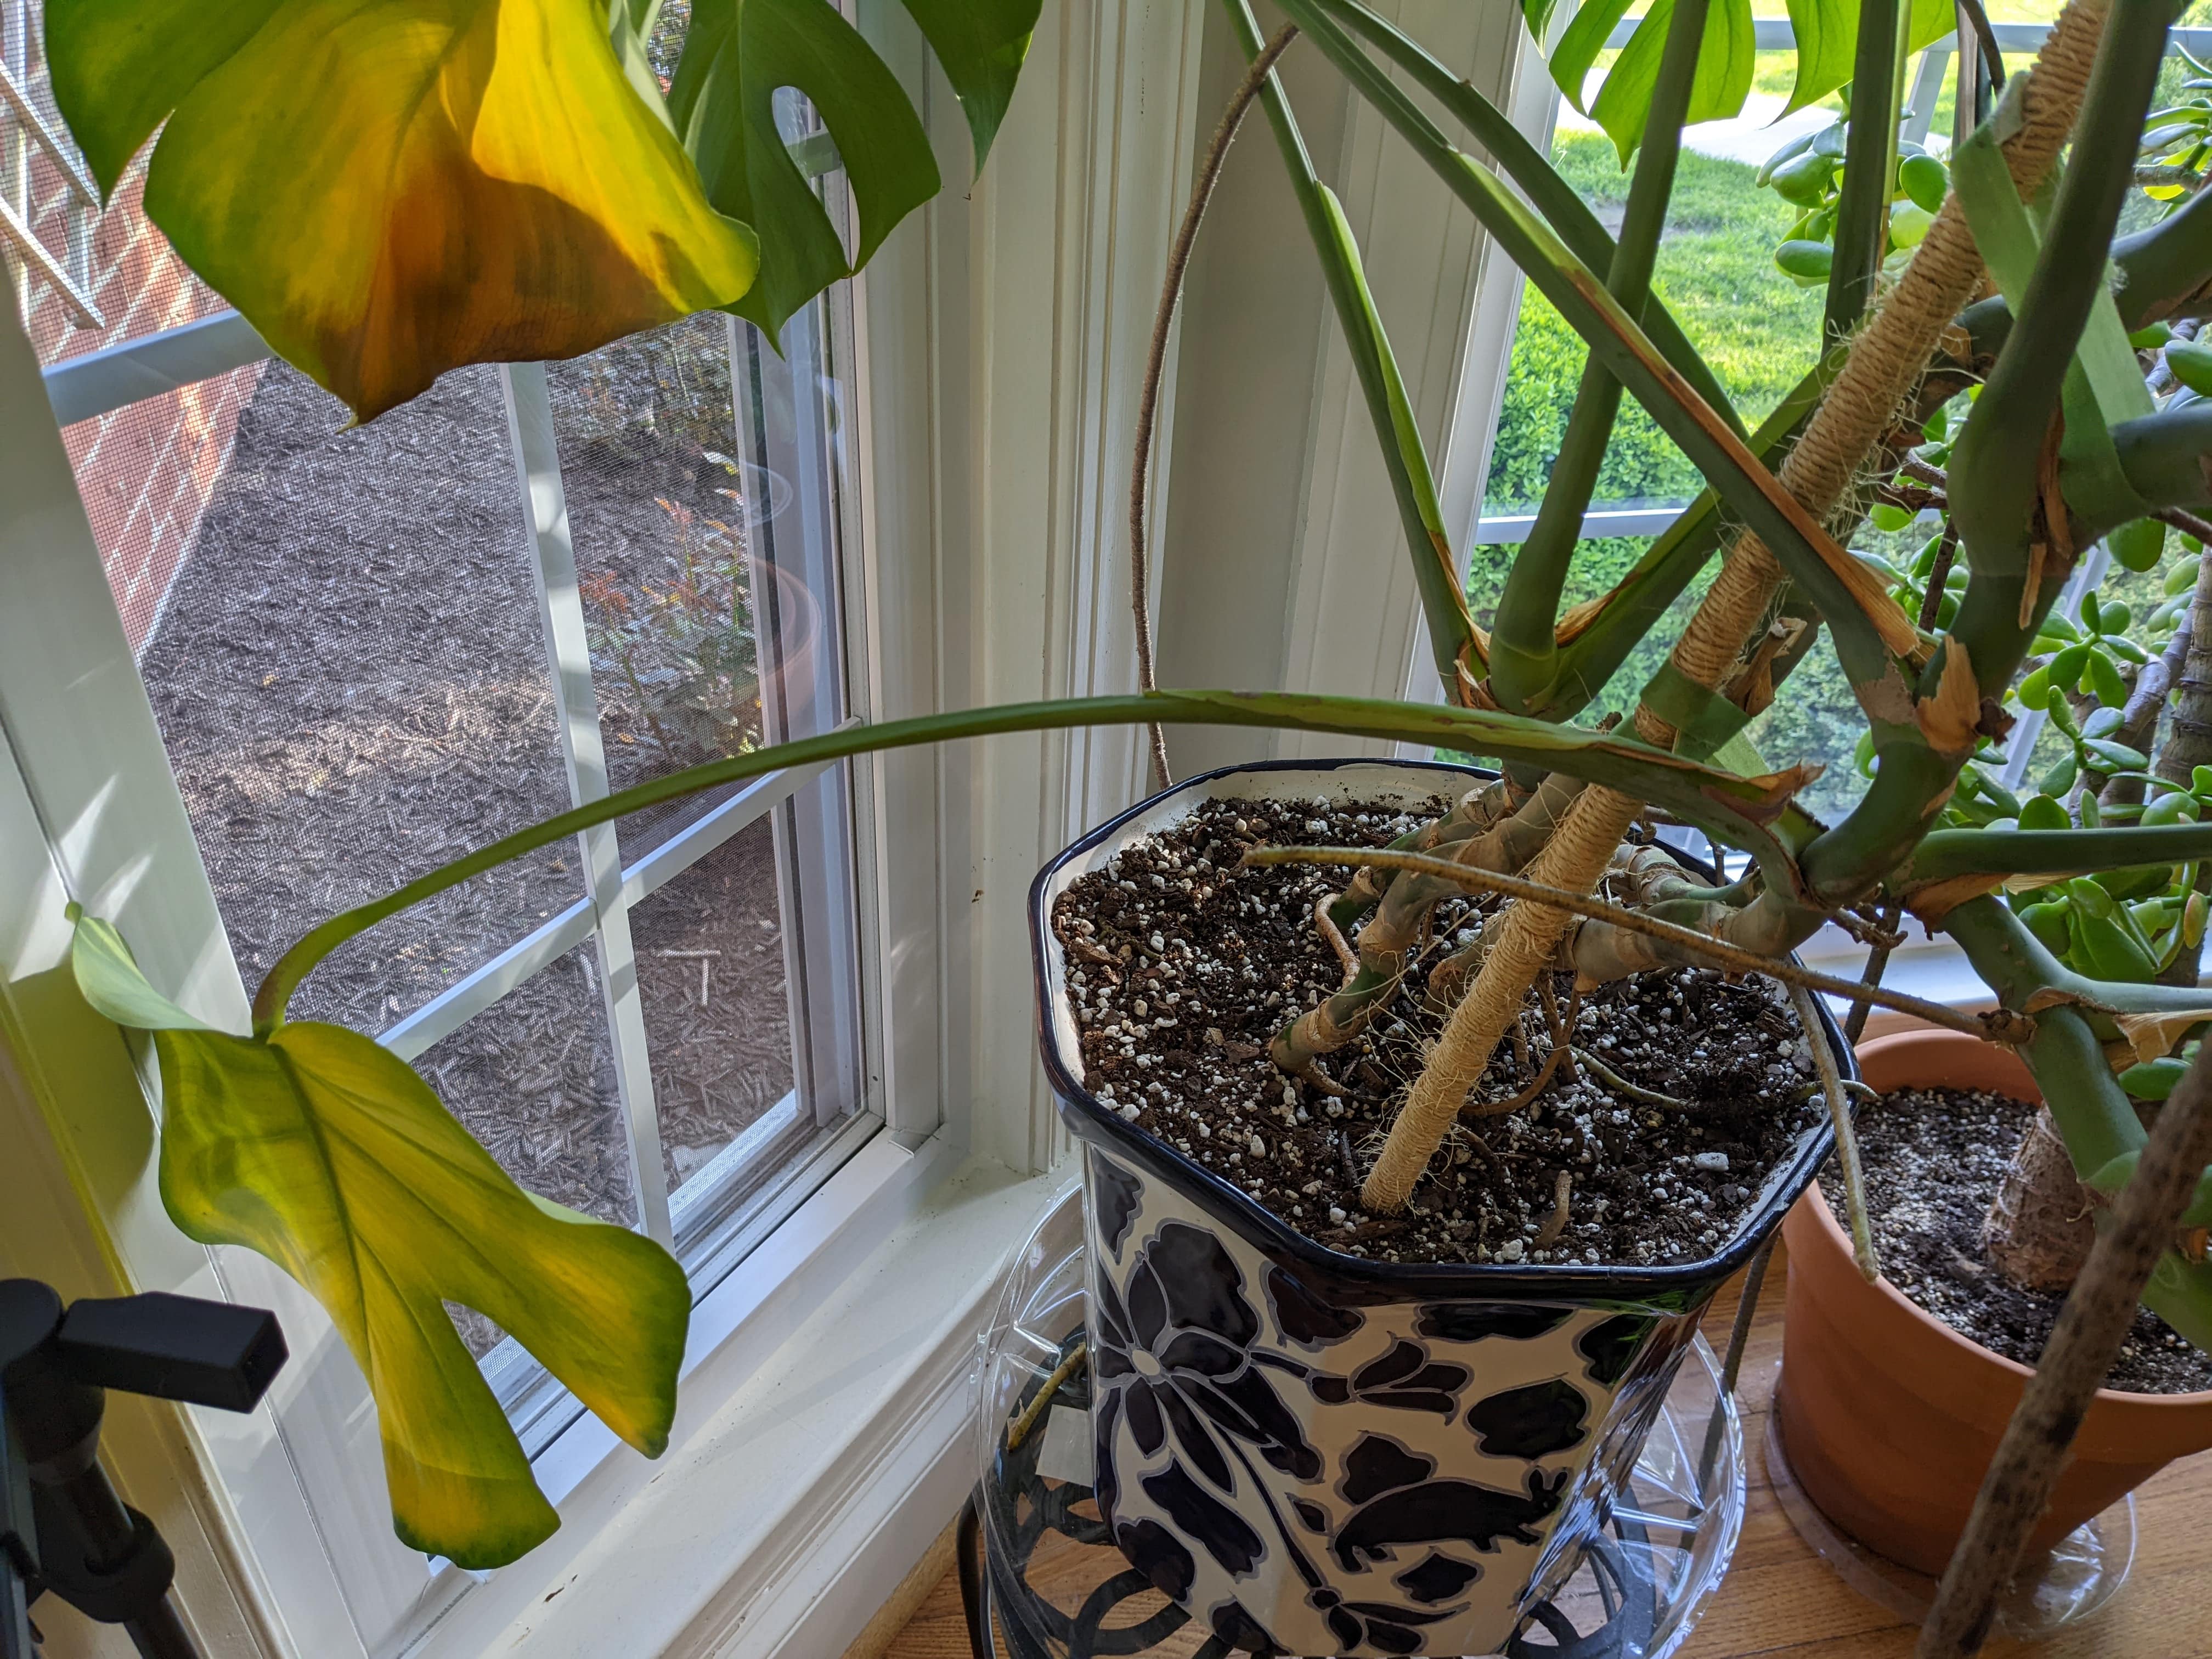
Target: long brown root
x: 1523, y: 942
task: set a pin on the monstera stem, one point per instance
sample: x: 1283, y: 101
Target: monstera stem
x: 1892, y: 350
x: 1888, y: 357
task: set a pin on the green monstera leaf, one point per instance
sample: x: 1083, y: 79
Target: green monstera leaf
x: 1826, y: 34
x: 328, y: 1155
x: 739, y: 53
x: 388, y: 189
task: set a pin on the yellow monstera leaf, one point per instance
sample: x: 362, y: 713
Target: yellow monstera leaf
x: 328, y: 1155
x: 391, y: 188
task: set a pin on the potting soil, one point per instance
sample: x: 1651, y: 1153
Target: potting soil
x: 1932, y: 1160
x: 1182, y: 966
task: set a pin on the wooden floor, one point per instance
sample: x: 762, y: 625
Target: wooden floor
x: 1779, y: 1598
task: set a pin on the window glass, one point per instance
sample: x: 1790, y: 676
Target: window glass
x: 373, y: 649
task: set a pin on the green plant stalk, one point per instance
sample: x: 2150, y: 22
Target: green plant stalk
x: 1453, y: 639
x: 1993, y: 473
x: 1524, y: 642
x: 2162, y: 456
x: 1995, y: 467
x: 1586, y: 662
x: 1947, y: 853
x: 1869, y: 162
x: 1708, y: 439
x: 1527, y: 166
x: 2164, y: 272
x: 1732, y: 807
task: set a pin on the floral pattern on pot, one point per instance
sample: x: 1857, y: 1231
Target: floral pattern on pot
x: 1389, y: 1478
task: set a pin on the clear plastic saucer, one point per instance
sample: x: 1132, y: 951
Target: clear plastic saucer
x: 1042, y: 1579
x: 2083, y: 1570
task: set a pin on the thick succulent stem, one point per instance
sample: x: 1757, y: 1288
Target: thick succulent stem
x: 2039, y: 1229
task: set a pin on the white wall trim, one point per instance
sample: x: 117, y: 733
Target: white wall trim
x: 85, y: 773
x: 1355, y: 625
x: 1285, y: 565
x: 1067, y: 234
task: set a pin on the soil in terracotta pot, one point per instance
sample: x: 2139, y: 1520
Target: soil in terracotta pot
x: 1932, y: 1160
x: 1182, y: 966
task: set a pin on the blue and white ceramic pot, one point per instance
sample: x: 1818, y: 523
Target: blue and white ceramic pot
x: 1321, y: 1454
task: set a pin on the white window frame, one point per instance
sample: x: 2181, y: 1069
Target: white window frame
x: 756, y: 1272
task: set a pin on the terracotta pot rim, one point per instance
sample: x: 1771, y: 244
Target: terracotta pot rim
x: 1815, y: 1206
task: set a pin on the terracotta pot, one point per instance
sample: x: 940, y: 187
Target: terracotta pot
x: 1889, y: 1417
x: 1320, y: 1453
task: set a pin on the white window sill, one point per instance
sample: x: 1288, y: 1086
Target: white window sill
x: 786, y: 1505
x: 1933, y: 969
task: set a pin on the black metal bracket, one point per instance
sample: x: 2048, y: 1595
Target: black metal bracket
x: 63, y: 1529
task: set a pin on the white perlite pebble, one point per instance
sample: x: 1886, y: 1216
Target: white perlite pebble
x: 1140, y: 1008
x: 1130, y: 1111
x: 1510, y: 1250
x: 1715, y: 1161
x: 1259, y: 1147
x: 1316, y: 826
x: 1336, y: 1215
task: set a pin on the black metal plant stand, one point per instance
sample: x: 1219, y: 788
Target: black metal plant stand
x: 1028, y: 1511
x: 63, y: 1529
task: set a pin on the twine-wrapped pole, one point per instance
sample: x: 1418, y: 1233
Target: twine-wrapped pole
x: 1886, y: 359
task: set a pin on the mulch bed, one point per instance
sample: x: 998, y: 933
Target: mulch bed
x: 1204, y: 962
x: 351, y: 680
x: 1932, y: 1160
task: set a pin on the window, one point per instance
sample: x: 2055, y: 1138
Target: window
x: 369, y: 649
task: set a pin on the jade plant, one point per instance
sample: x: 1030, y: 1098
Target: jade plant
x: 1992, y: 350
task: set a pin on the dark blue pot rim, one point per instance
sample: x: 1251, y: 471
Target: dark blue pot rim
x: 1357, y: 1279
